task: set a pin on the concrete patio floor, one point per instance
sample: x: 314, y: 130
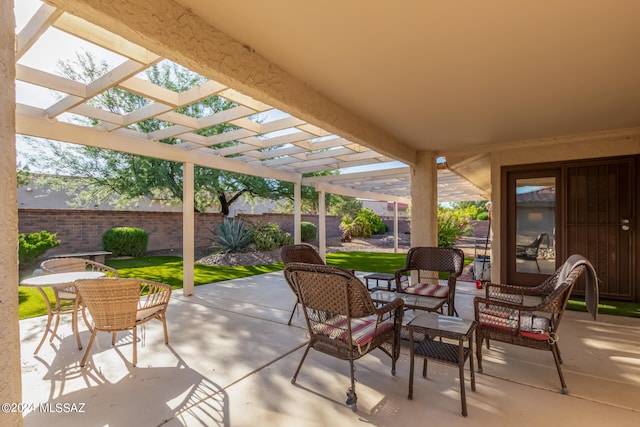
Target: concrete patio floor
x: 231, y: 356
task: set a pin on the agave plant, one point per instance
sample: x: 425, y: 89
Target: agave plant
x: 232, y: 236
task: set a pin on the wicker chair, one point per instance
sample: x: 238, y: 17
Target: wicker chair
x: 506, y: 315
x: 342, y: 320
x: 303, y: 253
x: 424, y: 270
x: 121, y: 305
x: 65, y: 298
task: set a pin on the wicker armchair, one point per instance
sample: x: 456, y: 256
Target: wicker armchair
x: 507, y: 315
x: 425, y: 270
x: 121, y: 305
x: 342, y: 320
x: 303, y: 253
x: 65, y: 298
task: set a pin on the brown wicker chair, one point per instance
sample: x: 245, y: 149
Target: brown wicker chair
x: 121, y: 305
x: 65, y: 298
x: 506, y: 315
x: 342, y: 320
x: 303, y: 253
x: 425, y: 269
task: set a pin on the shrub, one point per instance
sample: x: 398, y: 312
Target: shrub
x: 364, y: 225
x: 308, y: 231
x: 483, y: 216
x: 125, y: 241
x: 31, y: 246
x: 268, y: 237
x: 232, y: 236
x: 451, y: 225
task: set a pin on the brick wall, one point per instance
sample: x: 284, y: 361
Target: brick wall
x: 81, y: 230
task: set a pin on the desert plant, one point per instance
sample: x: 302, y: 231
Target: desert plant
x: 452, y: 224
x: 268, y: 237
x: 364, y: 225
x: 308, y: 231
x: 125, y: 241
x: 31, y: 246
x: 232, y: 236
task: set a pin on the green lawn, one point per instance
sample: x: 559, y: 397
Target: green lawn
x: 168, y: 269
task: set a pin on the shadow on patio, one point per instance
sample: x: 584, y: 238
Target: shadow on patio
x: 231, y: 356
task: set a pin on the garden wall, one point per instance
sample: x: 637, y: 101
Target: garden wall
x: 81, y: 230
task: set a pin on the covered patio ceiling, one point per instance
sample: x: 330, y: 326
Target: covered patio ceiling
x: 264, y: 141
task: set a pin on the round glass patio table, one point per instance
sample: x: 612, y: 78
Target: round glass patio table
x: 58, y: 280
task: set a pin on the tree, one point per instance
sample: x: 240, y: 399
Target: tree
x: 104, y: 173
x: 336, y: 204
x: 23, y: 175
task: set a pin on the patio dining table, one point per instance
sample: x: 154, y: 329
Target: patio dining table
x: 58, y: 280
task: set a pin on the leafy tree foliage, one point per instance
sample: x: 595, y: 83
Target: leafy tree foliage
x: 335, y: 204
x: 104, y: 174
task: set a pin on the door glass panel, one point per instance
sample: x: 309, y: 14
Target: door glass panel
x: 535, y: 225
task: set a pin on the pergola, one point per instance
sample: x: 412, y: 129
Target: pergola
x: 264, y: 141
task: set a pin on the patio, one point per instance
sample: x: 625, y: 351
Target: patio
x: 231, y: 356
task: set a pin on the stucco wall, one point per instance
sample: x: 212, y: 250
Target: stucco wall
x: 10, y: 374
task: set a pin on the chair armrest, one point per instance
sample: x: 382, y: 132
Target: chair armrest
x: 153, y: 294
x: 390, y: 306
x: 401, y: 277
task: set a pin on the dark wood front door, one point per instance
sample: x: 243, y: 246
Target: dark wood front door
x: 585, y: 207
x: 600, y: 222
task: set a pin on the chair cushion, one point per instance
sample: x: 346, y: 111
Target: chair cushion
x: 363, y: 329
x: 145, y: 312
x: 429, y: 290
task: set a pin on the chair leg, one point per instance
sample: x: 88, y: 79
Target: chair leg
x: 88, y: 350
x: 556, y: 357
x: 135, y: 345
x: 304, y: 356
x: 295, y: 306
x: 113, y: 338
x: 74, y: 327
x: 352, y: 397
x: 55, y: 327
x: 479, y: 339
x: 163, y: 319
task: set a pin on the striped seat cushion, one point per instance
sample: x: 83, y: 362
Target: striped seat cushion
x: 428, y: 290
x: 363, y: 329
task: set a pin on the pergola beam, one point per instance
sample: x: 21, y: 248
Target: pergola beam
x: 351, y: 192
x: 43, y: 128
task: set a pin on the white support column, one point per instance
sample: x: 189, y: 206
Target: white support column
x: 10, y: 377
x: 188, y: 227
x: 322, y: 224
x: 297, y: 211
x: 424, y: 200
x: 395, y: 227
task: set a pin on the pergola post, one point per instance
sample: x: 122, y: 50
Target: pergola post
x: 297, y: 212
x: 395, y: 227
x: 424, y: 200
x: 10, y: 369
x: 322, y: 224
x: 188, y: 227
